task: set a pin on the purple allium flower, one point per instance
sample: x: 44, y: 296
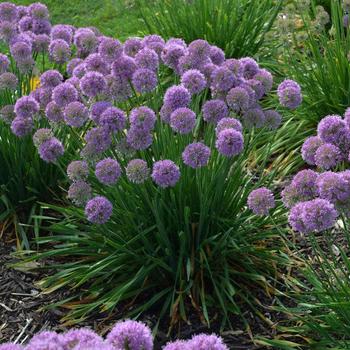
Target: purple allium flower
x: 54, y: 112
x: 97, y: 109
x: 98, y: 210
x: 94, y: 62
x: 222, y: 79
x: 147, y: 58
x: 78, y: 170
x: 110, y: 49
x: 238, y: 99
x: 217, y: 55
x: 42, y: 135
x: 51, y: 78
x: 290, y: 196
x: 113, y: 119
x: 51, y: 150
x: 98, y: 140
x: 8, y: 12
x: 273, y: 119
x: 165, y: 113
x: 38, y: 11
x: 25, y: 24
x: 11, y: 346
x: 41, y: 26
x: 152, y: 38
x: 196, y: 155
x: 22, y: 126
x: 79, y: 71
x: 295, y: 218
x: 206, y: 342
x: 63, y: 32
x: 79, y: 192
x: 327, y: 156
x: 74, y: 81
x: 108, y: 171
x: 8, y: 81
x: 199, y: 49
x: 75, y: 114
x: 143, y: 118
x: 8, y: 30
x: 64, y: 94
x: 305, y: 184
x: 331, y: 129
x: 7, y: 113
x: 309, y: 148
x: 118, y: 88
x: 171, y: 55
x: 59, y: 51
x: 132, y: 46
x: 254, y: 118
x: 194, y: 81
x: 139, y: 139
x: 249, y: 66
x: 124, y: 67
x: 260, y: 201
x: 214, y: 110
x: 183, y: 120
x: 41, y: 43
x: 229, y: 142
x: 257, y: 87
x: 176, y: 41
x: 20, y: 51
x: 177, y: 345
x: 26, y: 107
x: 228, y: 123
x: 266, y: 78
x: 289, y: 94
x: 333, y: 187
x: 235, y: 66
x: 144, y: 80
x: 82, y: 336
x: 165, y: 173
x: 137, y: 171
x: 47, y: 337
x: 176, y: 97
x: 92, y: 84
x: 132, y: 335
x: 73, y: 63
x: 4, y: 63
x: 86, y: 41
x: 186, y: 63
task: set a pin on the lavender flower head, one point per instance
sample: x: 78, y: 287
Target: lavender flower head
x: 11, y: 346
x: 196, y: 155
x: 273, y: 119
x: 83, y: 336
x: 176, y: 97
x: 124, y: 67
x: 8, y: 12
x: 238, y: 99
x: 295, y: 218
x: 7, y: 114
x: 254, y: 118
x: 199, y: 49
x: 51, y: 78
x: 38, y: 11
x: 289, y: 94
x: 132, y: 46
x: 171, y: 55
x: 4, y: 63
x: 331, y: 129
x: 206, y: 342
x: 137, y: 171
x: 51, y: 150
x: 59, y: 51
x: 305, y: 184
x: 139, y: 139
x: 132, y: 335
x: 260, y: 201
x: 144, y: 80
x: 222, y: 79
x: 110, y: 49
x: 143, y: 118
x: 26, y: 107
x: 165, y: 173
x: 42, y: 135
x: 54, y: 112
x: 214, y: 110
x: 64, y: 94
x: 98, y: 210
x: 76, y: 114
x: 327, y: 156
x: 8, y: 81
x: 266, y: 78
x: 79, y: 192
x: 176, y: 345
x: 41, y: 43
x: 20, y: 51
x: 217, y: 55
x: 333, y: 187
x: 97, y: 109
x: 309, y: 148
x: 97, y: 140
x: 92, y: 84
x: 249, y: 66
x: 78, y: 170
x: 108, y: 171
x: 86, y: 41
x: 228, y: 123
x: 73, y: 63
x: 22, y: 126
x: 8, y: 30
x: 183, y: 120
x: 229, y: 142
x: 63, y: 32
x: 113, y: 119
x: 147, y: 58
x: 194, y: 81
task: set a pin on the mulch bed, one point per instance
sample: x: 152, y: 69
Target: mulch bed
x: 23, y: 313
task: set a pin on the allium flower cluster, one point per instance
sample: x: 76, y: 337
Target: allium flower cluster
x: 289, y: 93
x: 261, y: 200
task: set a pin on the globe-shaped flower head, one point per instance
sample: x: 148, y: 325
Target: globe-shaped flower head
x: 196, y: 155
x: 98, y: 210
x: 165, y: 173
x: 261, y: 200
x: 108, y: 171
x: 229, y: 142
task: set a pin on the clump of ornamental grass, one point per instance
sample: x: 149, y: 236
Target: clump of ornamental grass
x: 318, y: 199
x: 125, y: 335
x: 242, y: 33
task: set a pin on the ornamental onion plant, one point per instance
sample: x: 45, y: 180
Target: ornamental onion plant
x: 162, y: 133
x: 238, y: 27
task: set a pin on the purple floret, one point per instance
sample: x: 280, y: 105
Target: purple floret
x: 309, y: 148
x: 113, y: 119
x: 110, y: 49
x: 183, y: 120
x: 64, y: 94
x: 229, y: 142
x: 79, y: 193
x: 214, y: 110
x: 327, y: 156
x: 143, y: 118
x: 54, y: 112
x: 78, y: 170
x: 51, y: 78
x: 93, y: 84
x: 137, y: 171
x: 331, y: 129
x: 8, y: 12
x: 194, y: 81
x: 59, y: 51
x: 83, y: 336
x: 76, y: 114
x: 176, y: 97
x: 26, y: 107
x: 144, y: 80
x: 98, y: 210
x: 132, y: 46
x: 148, y: 59
x: 228, y: 123
x: 51, y: 150
x: 333, y: 187
x: 124, y: 67
x: 260, y: 201
x: 273, y: 119
x: 165, y: 173
x: 254, y: 118
x: 108, y: 171
x: 222, y: 79
x: 4, y: 63
x: 289, y: 93
x: 139, y: 139
x: 97, y: 109
x: 238, y: 99
x: 206, y: 342
x: 305, y: 184
x: 196, y: 155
